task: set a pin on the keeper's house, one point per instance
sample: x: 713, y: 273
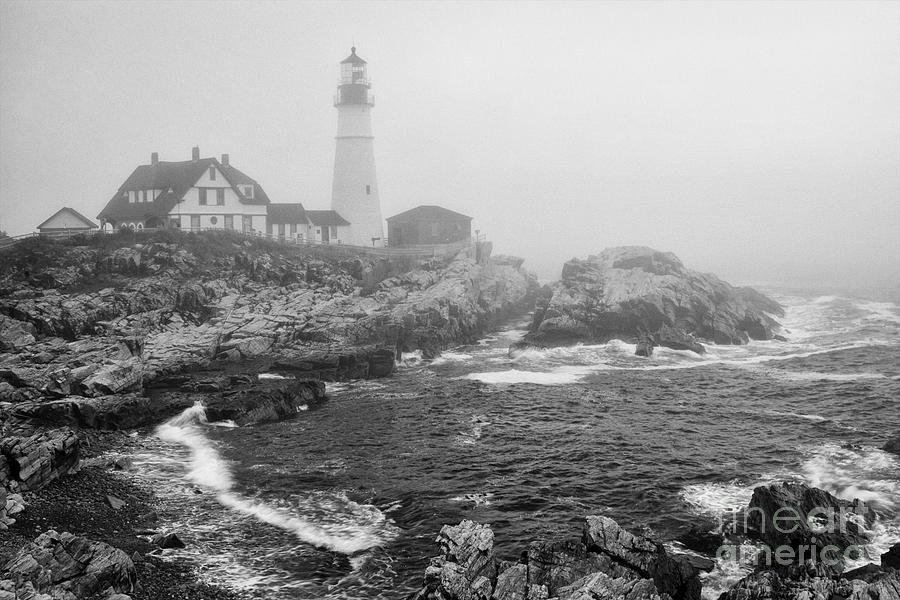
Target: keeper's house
x: 428, y: 225
x: 201, y: 193
x: 65, y: 222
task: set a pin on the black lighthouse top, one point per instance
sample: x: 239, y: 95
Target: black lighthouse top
x: 353, y: 87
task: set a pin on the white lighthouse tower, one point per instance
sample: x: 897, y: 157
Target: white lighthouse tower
x: 354, y: 191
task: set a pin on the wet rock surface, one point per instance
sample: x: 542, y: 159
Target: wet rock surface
x: 634, y: 293
x: 606, y: 562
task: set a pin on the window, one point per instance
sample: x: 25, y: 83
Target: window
x: 212, y: 173
x: 195, y: 221
x: 293, y: 229
x: 368, y: 189
x: 220, y: 196
x: 132, y: 196
x: 143, y: 195
x: 333, y: 231
x: 247, y: 190
x: 229, y: 221
x: 247, y: 223
x: 203, y: 196
x: 213, y: 220
x: 434, y: 229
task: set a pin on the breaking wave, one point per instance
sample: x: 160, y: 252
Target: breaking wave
x: 348, y: 527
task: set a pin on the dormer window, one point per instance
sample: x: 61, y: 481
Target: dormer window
x: 247, y: 190
x: 212, y: 173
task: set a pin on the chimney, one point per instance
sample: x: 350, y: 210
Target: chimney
x: 154, y: 158
x: 224, y: 160
x: 195, y: 153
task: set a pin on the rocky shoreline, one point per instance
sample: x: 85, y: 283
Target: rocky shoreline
x: 609, y: 562
x: 119, y: 333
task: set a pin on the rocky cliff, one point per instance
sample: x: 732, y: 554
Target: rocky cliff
x: 639, y: 294
x: 116, y: 316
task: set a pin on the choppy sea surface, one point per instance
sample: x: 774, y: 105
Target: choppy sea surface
x: 345, y: 500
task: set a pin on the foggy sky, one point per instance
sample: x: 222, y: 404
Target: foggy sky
x: 760, y: 141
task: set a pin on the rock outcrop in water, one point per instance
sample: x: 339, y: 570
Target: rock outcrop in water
x: 829, y: 531
x: 607, y: 562
x: 113, y: 317
x: 639, y: 294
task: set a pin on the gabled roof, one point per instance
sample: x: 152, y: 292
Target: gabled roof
x: 287, y: 213
x: 174, y: 179
x: 428, y: 212
x: 87, y: 222
x: 353, y: 58
x: 326, y: 218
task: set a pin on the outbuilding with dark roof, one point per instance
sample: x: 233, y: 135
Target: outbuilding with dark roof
x: 428, y: 224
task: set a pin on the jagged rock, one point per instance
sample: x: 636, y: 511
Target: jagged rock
x: 466, y: 568
x: 600, y: 585
x: 625, y: 291
x: 769, y: 585
x: 167, y: 540
x: 670, y: 337
x: 37, y: 460
x: 891, y: 558
x: 780, y: 515
x: 672, y: 575
x: 892, y: 445
x: 265, y: 401
x: 71, y: 567
x: 644, y: 346
x: 608, y: 562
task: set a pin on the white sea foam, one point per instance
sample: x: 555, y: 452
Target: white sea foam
x: 806, y: 417
x: 450, y: 356
x: 270, y: 376
x: 558, y: 376
x: 819, y: 376
x: 883, y: 311
x: 869, y: 474
x: 336, y: 523
x: 478, y: 499
x: 411, y: 359
x: 717, y: 499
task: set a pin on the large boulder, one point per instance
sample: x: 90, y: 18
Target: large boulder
x: 37, y: 460
x: 69, y: 567
x: 803, y: 518
x: 631, y: 292
x: 892, y: 445
x: 891, y: 558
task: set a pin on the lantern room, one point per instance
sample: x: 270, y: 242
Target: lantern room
x: 353, y: 87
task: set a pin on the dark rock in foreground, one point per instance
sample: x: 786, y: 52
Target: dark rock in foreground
x: 769, y: 585
x: 635, y: 292
x: 892, y: 445
x: 891, y: 558
x: 66, y: 566
x: 607, y: 562
x: 241, y: 399
x: 783, y: 515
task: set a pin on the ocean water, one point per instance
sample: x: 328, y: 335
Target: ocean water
x: 345, y: 499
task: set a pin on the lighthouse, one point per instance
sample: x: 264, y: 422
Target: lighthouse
x: 354, y: 190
